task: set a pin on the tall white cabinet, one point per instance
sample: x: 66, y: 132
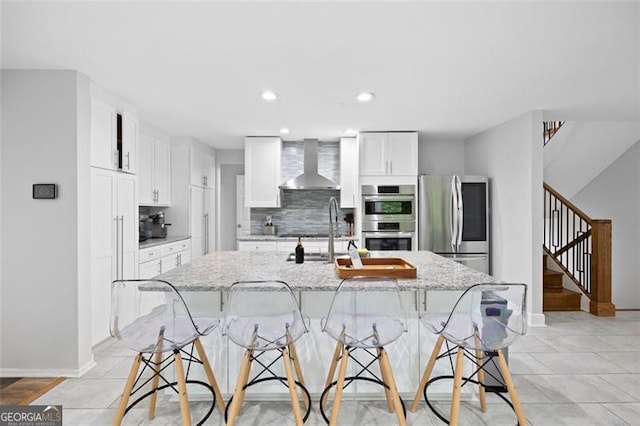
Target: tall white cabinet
x: 262, y: 159
x: 193, y: 194
x: 114, y: 240
x: 114, y: 201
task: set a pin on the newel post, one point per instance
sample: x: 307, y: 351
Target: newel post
x: 601, y: 269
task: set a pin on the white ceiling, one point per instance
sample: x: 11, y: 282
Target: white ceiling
x: 447, y: 69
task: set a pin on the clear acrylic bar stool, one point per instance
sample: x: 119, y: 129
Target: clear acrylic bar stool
x: 485, y: 320
x: 151, y: 318
x: 366, y: 314
x: 264, y: 318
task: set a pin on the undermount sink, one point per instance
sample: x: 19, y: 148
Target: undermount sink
x: 314, y: 257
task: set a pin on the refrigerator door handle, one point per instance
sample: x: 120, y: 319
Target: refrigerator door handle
x: 460, y: 220
x: 454, y: 214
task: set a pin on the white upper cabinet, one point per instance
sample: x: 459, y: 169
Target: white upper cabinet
x: 104, y: 148
x: 348, y: 172
x: 114, y: 138
x: 262, y: 158
x: 389, y: 154
x: 129, y: 143
x: 202, y: 168
x: 155, y: 171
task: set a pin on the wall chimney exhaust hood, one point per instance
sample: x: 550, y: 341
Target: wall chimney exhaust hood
x: 310, y: 178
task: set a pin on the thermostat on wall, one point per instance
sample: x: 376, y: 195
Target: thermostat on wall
x: 44, y: 191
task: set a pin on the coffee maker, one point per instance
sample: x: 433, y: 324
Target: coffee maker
x: 159, y: 228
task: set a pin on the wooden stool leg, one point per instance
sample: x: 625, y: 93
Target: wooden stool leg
x: 154, y: 385
x: 238, y: 394
x: 182, y: 389
x: 427, y: 374
x: 295, y: 404
x: 457, y: 385
x: 126, y: 392
x: 385, y: 379
x: 483, y: 394
x: 209, y: 371
x: 335, y: 410
x: 515, y: 400
x: 386, y: 365
x: 332, y: 371
x: 294, y: 357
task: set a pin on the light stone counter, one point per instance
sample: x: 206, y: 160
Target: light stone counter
x: 218, y: 270
x: 279, y: 238
x: 153, y: 242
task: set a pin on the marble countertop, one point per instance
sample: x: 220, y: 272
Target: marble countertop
x: 280, y: 238
x: 218, y: 270
x: 153, y: 242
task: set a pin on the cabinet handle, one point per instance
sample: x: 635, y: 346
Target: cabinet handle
x: 121, y: 247
x: 221, y: 300
x: 424, y: 301
x: 415, y: 300
x: 115, y: 158
x: 115, y: 219
x: 128, y: 160
x: 390, y: 167
x: 160, y: 267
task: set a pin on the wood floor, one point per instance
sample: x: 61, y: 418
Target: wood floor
x: 23, y: 391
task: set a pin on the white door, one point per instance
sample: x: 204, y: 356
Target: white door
x: 103, y: 258
x: 129, y: 143
x: 145, y: 164
x: 162, y: 172
x: 209, y: 220
x: 104, y: 152
x: 243, y: 214
x: 373, y: 154
x: 197, y: 221
x: 128, y: 226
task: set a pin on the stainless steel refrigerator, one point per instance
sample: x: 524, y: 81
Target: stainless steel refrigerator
x: 453, y: 218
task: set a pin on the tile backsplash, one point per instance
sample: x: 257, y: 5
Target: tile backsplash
x: 304, y: 211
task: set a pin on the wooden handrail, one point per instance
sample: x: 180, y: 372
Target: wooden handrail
x: 581, y: 247
x: 568, y: 203
x: 550, y: 128
x: 572, y: 244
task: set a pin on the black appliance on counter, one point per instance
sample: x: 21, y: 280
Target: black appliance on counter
x: 145, y: 229
x: 159, y: 226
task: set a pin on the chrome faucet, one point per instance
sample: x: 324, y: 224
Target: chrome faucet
x: 333, y: 226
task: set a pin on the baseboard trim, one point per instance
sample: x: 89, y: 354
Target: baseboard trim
x: 47, y: 372
x: 537, y: 320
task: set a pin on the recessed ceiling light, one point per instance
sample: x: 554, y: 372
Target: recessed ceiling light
x: 365, y: 96
x: 350, y: 132
x: 284, y: 131
x: 269, y: 96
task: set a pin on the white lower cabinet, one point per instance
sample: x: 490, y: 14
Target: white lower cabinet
x: 160, y: 259
x: 258, y: 246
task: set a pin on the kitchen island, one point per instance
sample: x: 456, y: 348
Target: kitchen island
x: 204, y: 284
x: 218, y: 270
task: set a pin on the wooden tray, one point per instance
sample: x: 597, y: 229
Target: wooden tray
x: 394, y: 267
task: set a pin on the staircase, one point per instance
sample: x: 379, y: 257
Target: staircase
x: 555, y: 297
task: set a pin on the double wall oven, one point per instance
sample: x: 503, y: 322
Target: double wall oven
x: 389, y: 217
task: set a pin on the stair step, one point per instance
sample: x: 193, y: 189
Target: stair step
x: 552, y: 279
x: 560, y: 300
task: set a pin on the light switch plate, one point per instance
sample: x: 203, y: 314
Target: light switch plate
x: 46, y: 191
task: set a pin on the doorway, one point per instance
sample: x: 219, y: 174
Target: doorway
x: 227, y: 208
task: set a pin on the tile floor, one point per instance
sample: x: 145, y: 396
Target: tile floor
x: 579, y: 370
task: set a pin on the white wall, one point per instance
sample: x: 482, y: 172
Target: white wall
x: 615, y: 195
x: 511, y: 155
x: 45, y: 243
x: 440, y: 157
x: 580, y: 151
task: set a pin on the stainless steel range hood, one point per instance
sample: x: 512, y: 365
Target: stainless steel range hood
x: 310, y: 179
